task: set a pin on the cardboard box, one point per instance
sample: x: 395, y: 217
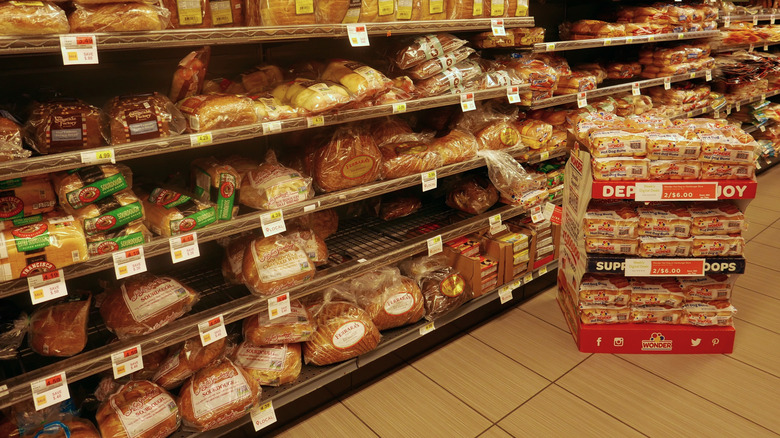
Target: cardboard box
x: 503, y: 252
x: 471, y: 268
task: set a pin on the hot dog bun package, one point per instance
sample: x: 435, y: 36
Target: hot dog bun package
x: 169, y: 213
x: 60, y: 329
x: 139, y: 409
x: 275, y: 263
x: 296, y: 326
x: 271, y: 186
x: 218, y: 183
x: 81, y: 187
x: 391, y: 299
x: 611, y: 219
x: 605, y: 290
x: 143, y: 303
x: 443, y: 288
x: 185, y: 360
x: 270, y: 365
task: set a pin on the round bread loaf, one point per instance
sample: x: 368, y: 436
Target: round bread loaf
x: 270, y: 365
x: 140, y: 409
x: 344, y: 331
x: 272, y: 264
x: 60, y: 329
x: 190, y: 357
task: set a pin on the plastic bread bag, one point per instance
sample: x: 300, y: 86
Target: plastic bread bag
x: 13, y: 326
x: 709, y: 288
x: 65, y: 125
x: 133, y: 234
x: 391, y: 299
x: 138, y: 408
x: 473, y: 194
x: 143, y: 117
x: 605, y: 290
x: 664, y: 220
x: 727, y: 171
x: 351, y: 158
x: 361, y: 80
x: 409, y: 154
x: 716, y: 218
x: 398, y: 205
x: 216, y: 111
x: 111, y: 213
x: 269, y: 108
x: 186, y: 359
x: 673, y: 144
x: 190, y: 74
x: 712, y: 313
x: 617, y: 141
x: 612, y: 220
x: 280, y: 12
x: 442, y: 286
x: 437, y: 65
x: 451, y: 79
x: 674, y: 170
x: 272, y: 186
x: 296, y: 326
x: 272, y: 264
x: 596, y: 314
x: 508, y: 176
x: 222, y: 86
x: 339, y: 11
x: 614, y: 168
x: 81, y: 187
x: 656, y: 292
x: 32, y: 18
x: 119, y: 17
x: 270, y: 365
x: 425, y: 48
x: 575, y: 82
x: 717, y: 246
x: 664, y: 246
x: 495, y: 75
x: 66, y: 426
x: 26, y: 197
x: 60, y: 329
x: 144, y: 303
x: 233, y: 262
x: 313, y: 244
x: 169, y: 212
x: 11, y: 139
x: 312, y: 96
x: 655, y: 315
x: 455, y: 147
x: 219, y: 183
x: 601, y: 245
x: 588, y: 29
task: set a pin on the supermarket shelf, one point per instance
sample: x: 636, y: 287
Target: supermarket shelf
x: 558, y: 46
x: 614, y: 89
x: 616, y: 264
x: 749, y: 47
x: 368, y: 244
x: 251, y: 221
x: 727, y: 188
x: 748, y: 17
x: 765, y: 163
x: 128, y: 151
x: 753, y: 128
x: 392, y: 340
x: 247, y: 35
x: 728, y: 106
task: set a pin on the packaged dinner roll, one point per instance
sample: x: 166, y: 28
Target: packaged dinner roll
x: 296, y: 326
x: 78, y: 188
x: 271, y: 186
x: 716, y: 218
x: 25, y: 197
x: 508, y: 176
x: 275, y: 263
x: 350, y: 159
x: 143, y: 117
x: 170, y: 213
x: 344, y: 331
x: 138, y: 409
x: 270, y: 365
x: 32, y: 18
x: 218, y: 183
x: 118, y: 17
x: 184, y: 361
x: 60, y: 329
x: 620, y: 168
x: 65, y: 125
x: 391, y: 299
x: 268, y: 108
x: 672, y: 169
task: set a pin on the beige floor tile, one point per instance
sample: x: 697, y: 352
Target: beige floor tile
x: 407, y: 401
x: 758, y: 215
x: 335, y: 420
x: 756, y: 388
x: 653, y: 405
x: 758, y: 278
x: 545, y: 307
x: 769, y: 236
x: 767, y: 190
x: 766, y: 202
x: 757, y: 309
x: 483, y: 378
x: 557, y: 413
x: 754, y: 230
x: 539, y: 346
x: 764, y: 255
x: 757, y: 347
x: 495, y: 432
x: 776, y: 224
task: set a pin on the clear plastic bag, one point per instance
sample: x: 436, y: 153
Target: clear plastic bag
x: 143, y: 117
x: 391, y: 299
x: 425, y: 48
x: 270, y: 365
x: 81, y: 187
x: 351, y: 158
x: 271, y: 186
x: 216, y: 182
x: 408, y: 154
x: 119, y: 17
x: 170, y: 213
x: 111, y: 214
x: 65, y: 125
x: 296, y: 326
x: 455, y: 147
x: 206, y: 112
x: 361, y: 80
x: 190, y: 75
x: 60, y: 329
x: 11, y: 139
x: 473, y: 194
x: 508, y: 176
x: 437, y: 65
x: 32, y: 18
x: 452, y: 79
x: 138, y: 408
x: 186, y: 360
x: 13, y: 326
x: 312, y: 96
x: 272, y: 264
x: 442, y: 286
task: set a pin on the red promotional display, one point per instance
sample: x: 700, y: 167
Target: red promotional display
x: 725, y: 189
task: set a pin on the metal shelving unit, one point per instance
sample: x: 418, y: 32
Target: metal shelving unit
x: 558, y: 46
x: 749, y: 17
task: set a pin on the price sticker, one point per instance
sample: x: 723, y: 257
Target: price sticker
x: 495, y: 224
x: 271, y: 127
x: 682, y: 191
x: 763, y: 97
x: 129, y: 262
x: 429, y: 180
x: 497, y: 24
x: 50, y: 391
x: 728, y: 109
x: 399, y: 107
x: 667, y: 83
x: 536, y: 214
x: 357, y: 34
x: 279, y: 306
x: 528, y: 278
x: 582, y: 99
x: 201, y: 139
x: 127, y: 362
x: 505, y: 294
x: 313, y: 122
x: 434, y: 245
x: 272, y: 223
x: 542, y: 270
x: 78, y: 49
x: 184, y: 247
x: 751, y: 48
x: 635, y: 89
x: 664, y: 267
x: 427, y: 328
x: 690, y: 114
x: 549, y: 47
x: 263, y: 416
x: 629, y: 40
x: 716, y: 114
x: 766, y: 47
x: 99, y: 156
x: 726, y: 21
x: 708, y: 75
x: 762, y: 128
x: 544, y: 156
x: 467, y: 102
x: 736, y: 106
x: 549, y: 209
x: 755, y: 20
x: 513, y: 94
x: 693, y: 75
x: 212, y: 330
x: 680, y: 36
x: 607, y: 41
x: 771, y: 19
x: 47, y: 286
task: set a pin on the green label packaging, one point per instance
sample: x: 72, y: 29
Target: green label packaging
x: 194, y: 221
x: 115, y: 244
x: 114, y: 219
x: 96, y: 191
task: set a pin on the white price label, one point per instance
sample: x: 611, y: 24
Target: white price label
x: 50, y: 391
x: 399, y: 107
x: 184, y: 247
x: 467, y: 102
x: 758, y: 165
x: 129, y: 262
x: 736, y: 106
x: 517, y: 283
x: 726, y: 21
x: 279, y: 306
x: 505, y: 294
x: 212, y: 330
x: 650, y: 38
x: 98, y: 157
x: 513, y: 94
x: 755, y: 20
x: 127, y: 361
x: 47, y: 286
x: 549, y: 208
x: 78, y: 49
x: 549, y: 47
x: 542, y: 270
x: 766, y: 47
x: 771, y: 19
x: 681, y: 36
x: 434, y: 245
x: 263, y: 416
x: 751, y: 48
x: 429, y: 180
x: 762, y: 128
x: 497, y: 24
x: 708, y: 75
x: 427, y: 328
x: 667, y: 83
x: 582, y: 99
x: 528, y: 278
x: 728, y: 110
x: 637, y: 267
x: 313, y: 122
x: 358, y: 36
x: 635, y: 89
x: 536, y: 214
x: 201, y: 139
x: 495, y: 224
x: 271, y: 127
x: 272, y: 223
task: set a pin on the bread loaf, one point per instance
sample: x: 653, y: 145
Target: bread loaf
x: 361, y: 80
x: 60, y: 329
x: 275, y: 263
x: 284, y: 12
x: 79, y: 188
x: 390, y: 299
x: 348, y: 11
x: 170, y: 213
x: 271, y: 186
x: 217, y: 183
x: 186, y: 360
x: 395, y: 206
x: 313, y: 244
x: 324, y: 222
x: 24, y: 197
x: 152, y: 362
x: 455, y: 147
x: 350, y: 159
x: 269, y: 108
x: 32, y: 18
x: 66, y: 125
x: 408, y: 155
x: 226, y: 13
x: 143, y: 117
x: 188, y: 14
x: 216, y: 395
x: 426, y: 47
x: 344, y: 331
x: 452, y: 79
x: 271, y: 365
x: 111, y: 213
x: 190, y: 74
x: 133, y: 234
x: 138, y: 409
x: 474, y: 195
x: 296, y: 326
x: 72, y: 427
x: 217, y: 111
x: 500, y: 134
x: 143, y: 303
x: 312, y: 96
x: 118, y: 17
x: 11, y: 139
x: 444, y: 290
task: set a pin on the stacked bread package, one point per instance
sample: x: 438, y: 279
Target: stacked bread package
x: 187, y: 359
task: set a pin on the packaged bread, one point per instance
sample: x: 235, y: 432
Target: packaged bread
x: 217, y: 395
x: 451, y: 79
x: 313, y: 244
x: 655, y: 315
x: 709, y: 288
x: 118, y: 17
x: 612, y: 220
x: 340, y: 11
x: 487, y: 40
x: 275, y: 263
x: 186, y: 14
x: 588, y: 29
x: 65, y: 125
x: 134, y: 234
x: 344, y: 331
x: 673, y: 144
x: 312, y: 96
x: 514, y: 184
x: 534, y: 133
x: 361, y: 80
x: 601, y: 245
x: 604, y: 290
x: 280, y: 12
x: 350, y: 159
x: 623, y: 70
x: 25, y: 197
x: 41, y: 247
x: 499, y: 134
x: 474, y: 194
x: 397, y: 205
x: 60, y: 329
x: 390, y: 299
x: 190, y: 74
x: 111, y: 213
x: 617, y: 142
x: 170, y: 213
x: 184, y: 361
x: 656, y: 292
x: 442, y: 286
x: 712, y: 313
x: 408, y: 155
x: 11, y: 139
x: 143, y: 117
x: 138, y: 409
x: 673, y: 169
x: 271, y: 186
x: 269, y: 108
x: 437, y: 65
x: 296, y: 326
x: 597, y: 314
x: 227, y: 13
x: 716, y: 218
x: 388, y: 128
x: 270, y: 365
x: 425, y: 48
x: 662, y: 220
x: 727, y: 149
x: 528, y: 36
x: 144, y: 303
x: 261, y: 78
x: 215, y: 182
x: 727, y: 171
x: 325, y: 223
x: 458, y: 145
x: 620, y: 168
x: 217, y: 111
x: 575, y: 82
x: 81, y: 187
x: 233, y: 263
x: 718, y: 246
x: 664, y: 246
x: 32, y: 18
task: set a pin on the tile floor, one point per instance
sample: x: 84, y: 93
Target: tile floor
x: 521, y: 375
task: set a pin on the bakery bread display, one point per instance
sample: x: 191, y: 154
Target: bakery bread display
x: 65, y: 125
x: 390, y: 299
x: 296, y: 326
x: 324, y: 222
x: 270, y: 365
x: 312, y: 96
x: 60, y: 329
x: 185, y: 360
x: 170, y: 213
x: 111, y: 213
x: 216, y: 395
x: 32, y: 18
x: 458, y: 145
x: 217, y: 183
x: 138, y: 409
x: 143, y: 303
x: 361, y: 80
x: 351, y: 158
x: 188, y: 14
x: 344, y: 331
x: 190, y: 74
x: 118, y: 17
x: 275, y: 263
x: 11, y: 139
x: 394, y: 206
x: 143, y: 117
x: 474, y: 194
x: 215, y: 111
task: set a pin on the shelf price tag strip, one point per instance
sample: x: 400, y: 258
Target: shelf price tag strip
x: 682, y: 191
x: 467, y: 102
x: 495, y: 224
x: 513, y: 94
x: 129, y: 262
x: 184, y: 247
x: 664, y: 267
x: 50, y: 391
x: 497, y: 24
x: 505, y: 293
x: 79, y: 49
x: 98, y: 157
x: 47, y: 286
x: 127, y: 361
x: 279, y: 306
x: 212, y: 330
x: 201, y: 139
x: 263, y: 416
x: 427, y: 328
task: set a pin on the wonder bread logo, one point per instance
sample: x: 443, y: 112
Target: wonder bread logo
x: 657, y: 342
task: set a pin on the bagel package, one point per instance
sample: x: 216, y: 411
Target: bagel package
x: 187, y: 359
x: 344, y: 331
x: 296, y: 326
x: 60, y: 329
x: 138, y: 409
x: 391, y: 299
x: 270, y: 365
x: 272, y: 264
x: 170, y: 213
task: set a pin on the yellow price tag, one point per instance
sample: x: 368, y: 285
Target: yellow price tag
x: 200, y: 139
x: 41, y: 400
x: 543, y: 270
x: 207, y: 337
x: 304, y: 7
x: 38, y: 293
x: 681, y: 36
x: 73, y: 56
x: 550, y: 47
x: 276, y: 215
x: 120, y: 369
x: 693, y: 75
x: 177, y: 254
x: 399, y: 107
x: 315, y: 121
x: 528, y: 278
x: 545, y: 155
x: 629, y: 40
x: 651, y: 38
x: 122, y: 270
x: 607, y: 41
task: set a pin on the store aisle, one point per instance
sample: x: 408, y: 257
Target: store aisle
x: 521, y: 375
